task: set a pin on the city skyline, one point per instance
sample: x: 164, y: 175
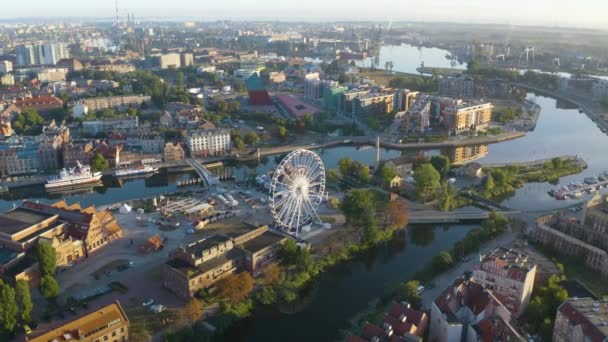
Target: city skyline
x: 517, y: 12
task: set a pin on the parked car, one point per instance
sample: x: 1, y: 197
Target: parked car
x: 158, y: 308
x: 147, y: 302
x: 420, y: 289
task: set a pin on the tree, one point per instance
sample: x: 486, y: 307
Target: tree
x: 47, y: 258
x: 179, y: 79
x: 408, y: 292
x: 557, y: 163
x: 235, y: 287
x: 441, y: 163
x: 345, y: 166
x: 488, y: 185
x: 8, y: 307
x: 99, y: 163
x: 443, y: 261
x: 396, y: 214
x: 357, y: 204
x: 191, y: 313
x: 282, y: 132
x: 447, y: 197
x: 332, y: 176
x: 364, y: 175
x: 387, y: 174
x: 427, y: 181
x: 238, y: 143
x: 24, y: 301
x: 271, y: 275
x: 289, y: 252
x: 239, y: 86
x: 473, y: 67
x: 371, y: 233
x: 252, y: 138
x: 48, y: 287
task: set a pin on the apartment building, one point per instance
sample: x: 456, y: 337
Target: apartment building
x: 466, y: 311
x: 212, y: 142
x: 374, y: 103
x: 509, y: 275
x: 108, y: 323
x: 37, y: 54
x: 93, y: 127
x: 599, y: 90
x: 82, y: 107
x: 467, y: 117
x: 581, y: 319
x: 6, y: 67
x: 346, y: 100
x: 586, y: 239
x: 404, y: 98
x: 173, y: 152
x: 417, y: 118
x: 40, y: 103
x: 465, y: 154
x: 202, y: 263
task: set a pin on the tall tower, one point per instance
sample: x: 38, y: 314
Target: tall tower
x: 377, y: 151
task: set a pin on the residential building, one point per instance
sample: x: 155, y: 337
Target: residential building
x: 93, y: 127
x: 168, y: 61
x: 461, y: 309
x: 373, y: 104
x: 467, y: 117
x: 509, y: 275
x: 244, y: 74
x: 73, y: 154
x: 331, y: 97
x: 401, y: 323
x: 37, y: 54
x: 121, y: 68
x: 166, y: 119
x: 586, y: 239
x: 346, y: 102
x: 404, y: 98
x: 186, y: 59
x: 110, y: 152
x: 465, y: 154
x: 117, y: 102
x: 6, y: 67
x: 7, y: 80
x: 173, y: 152
x: 49, y: 75
x: 417, y: 118
x: 277, y: 77
x: 139, y: 139
x: 199, y: 265
x: 581, y: 319
x: 213, y: 142
x: 403, y: 166
x: 313, y: 89
x: 40, y: 103
x: 457, y: 87
x: 72, y: 64
x: 108, y: 323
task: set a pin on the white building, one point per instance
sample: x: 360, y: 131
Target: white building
x: 7, y: 79
x: 510, y: 276
x: 93, y: 127
x: 211, y: 142
x: 6, y: 67
x: 79, y: 109
x: 169, y: 60
x: 35, y: 54
x: 205, y: 68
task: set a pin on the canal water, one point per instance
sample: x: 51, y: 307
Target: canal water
x: 348, y: 289
x: 406, y: 58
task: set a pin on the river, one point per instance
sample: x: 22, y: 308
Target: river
x: 406, y: 58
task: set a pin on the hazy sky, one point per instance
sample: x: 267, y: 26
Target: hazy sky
x: 581, y: 13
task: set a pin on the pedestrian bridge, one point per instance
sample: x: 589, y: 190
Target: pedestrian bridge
x: 208, y: 178
x: 440, y: 217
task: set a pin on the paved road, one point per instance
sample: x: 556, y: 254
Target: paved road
x: 444, y: 280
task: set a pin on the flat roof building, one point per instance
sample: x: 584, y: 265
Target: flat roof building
x: 581, y: 319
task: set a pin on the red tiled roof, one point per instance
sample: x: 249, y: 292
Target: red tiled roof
x: 39, y: 101
x: 413, y: 316
x: 355, y: 338
x: 399, y: 328
x: 371, y: 330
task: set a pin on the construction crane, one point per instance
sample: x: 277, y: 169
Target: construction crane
x: 526, y: 52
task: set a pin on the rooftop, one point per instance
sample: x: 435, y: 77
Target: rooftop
x: 258, y: 243
x: 90, y: 325
x: 199, y: 246
x: 18, y: 219
x: 502, y: 259
x: 592, y: 315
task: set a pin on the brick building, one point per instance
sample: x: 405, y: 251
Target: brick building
x: 201, y: 264
x: 581, y: 319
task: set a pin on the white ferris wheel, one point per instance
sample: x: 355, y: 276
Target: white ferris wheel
x: 296, y: 190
